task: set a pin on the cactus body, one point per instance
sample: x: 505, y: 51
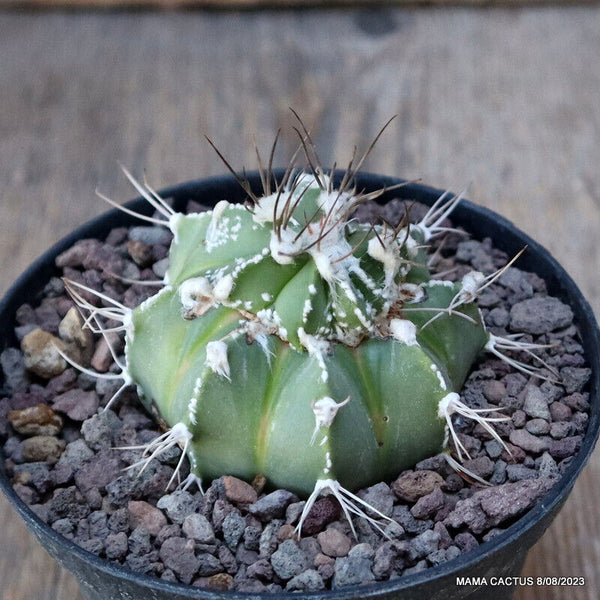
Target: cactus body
x: 296, y: 343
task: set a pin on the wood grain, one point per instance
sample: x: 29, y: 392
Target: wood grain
x: 505, y: 98
x: 260, y: 4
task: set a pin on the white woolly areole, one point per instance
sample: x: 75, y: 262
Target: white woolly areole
x: 312, y: 343
x: 199, y: 292
x: 411, y: 245
x: 471, y: 282
x: 216, y: 358
x: 267, y: 322
x: 325, y: 409
x: 404, y: 331
x: 263, y: 209
x: 285, y: 246
x: 222, y: 288
x: 193, y: 291
x: 388, y: 254
x: 181, y: 433
x: 447, y: 404
x: 333, y: 255
x: 411, y: 292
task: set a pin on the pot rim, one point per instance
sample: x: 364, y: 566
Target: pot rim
x: 556, y: 495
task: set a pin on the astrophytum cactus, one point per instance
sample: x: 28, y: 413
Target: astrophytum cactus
x: 293, y: 341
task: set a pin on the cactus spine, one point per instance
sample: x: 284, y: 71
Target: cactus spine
x: 293, y: 341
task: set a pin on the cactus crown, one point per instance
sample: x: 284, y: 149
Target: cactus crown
x: 293, y: 341
x: 327, y: 278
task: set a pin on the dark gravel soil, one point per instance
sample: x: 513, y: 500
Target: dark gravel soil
x: 62, y: 451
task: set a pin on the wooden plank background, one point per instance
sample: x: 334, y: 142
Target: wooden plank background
x: 508, y: 99
x: 262, y: 4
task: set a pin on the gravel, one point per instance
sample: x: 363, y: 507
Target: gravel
x: 62, y: 450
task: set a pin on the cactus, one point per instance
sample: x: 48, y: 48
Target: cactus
x: 292, y: 341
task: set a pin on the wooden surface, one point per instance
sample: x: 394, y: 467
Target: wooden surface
x: 507, y: 99
x: 261, y: 4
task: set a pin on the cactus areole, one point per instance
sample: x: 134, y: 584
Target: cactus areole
x: 292, y: 341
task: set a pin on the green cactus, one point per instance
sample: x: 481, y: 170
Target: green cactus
x: 292, y: 341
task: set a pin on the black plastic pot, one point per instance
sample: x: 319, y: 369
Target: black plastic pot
x: 501, y: 557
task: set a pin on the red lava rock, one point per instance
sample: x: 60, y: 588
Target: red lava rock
x: 481, y: 466
x: 140, y: 252
x: 77, y: 404
x: 62, y: 383
x: 560, y: 412
x: 21, y: 400
x: 494, y: 391
x: 333, y: 542
x: 538, y: 427
x: 142, y: 514
x: 97, y: 472
x: 528, y: 441
x: 577, y: 401
x: 324, y: 511
x: 238, y: 491
x: 466, y: 541
x: 426, y: 506
x: 102, y: 357
x: 445, y: 538
x: 413, y: 485
x: 514, y: 454
x: 490, y: 507
x: 565, y: 447
x: 178, y: 555
x: 75, y: 256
